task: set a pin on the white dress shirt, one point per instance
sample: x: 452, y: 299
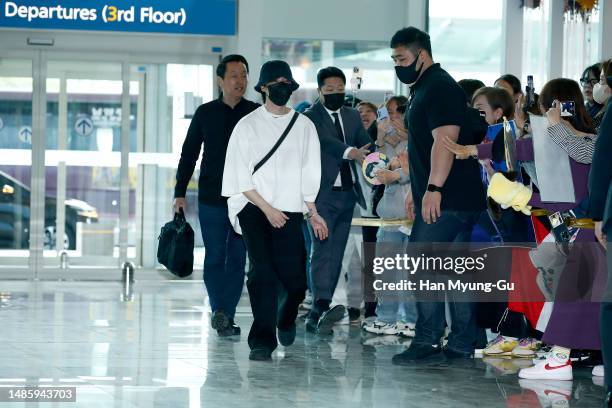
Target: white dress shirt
x: 290, y: 177
x: 338, y: 182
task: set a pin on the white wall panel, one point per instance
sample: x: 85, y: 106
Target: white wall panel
x: 351, y: 20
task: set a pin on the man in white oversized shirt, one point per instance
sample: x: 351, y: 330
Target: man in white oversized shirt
x: 267, y: 202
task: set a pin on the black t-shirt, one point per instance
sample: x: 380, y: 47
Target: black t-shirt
x: 211, y: 126
x: 437, y: 100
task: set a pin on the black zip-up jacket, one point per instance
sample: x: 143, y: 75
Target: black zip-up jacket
x: 212, y: 126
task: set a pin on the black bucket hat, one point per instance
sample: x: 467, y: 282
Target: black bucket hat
x: 272, y: 70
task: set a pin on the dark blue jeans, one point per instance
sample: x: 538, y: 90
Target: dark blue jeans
x: 224, y: 259
x: 452, y: 226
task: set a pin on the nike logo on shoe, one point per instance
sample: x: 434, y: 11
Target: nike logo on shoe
x: 548, y: 367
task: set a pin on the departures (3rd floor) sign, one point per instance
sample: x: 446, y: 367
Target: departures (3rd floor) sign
x: 204, y: 17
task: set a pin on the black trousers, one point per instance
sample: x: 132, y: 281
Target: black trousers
x: 276, y: 279
x: 326, y: 262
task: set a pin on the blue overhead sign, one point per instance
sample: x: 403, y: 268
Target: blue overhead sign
x: 204, y: 17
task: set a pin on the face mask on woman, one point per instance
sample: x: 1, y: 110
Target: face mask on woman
x: 601, y: 93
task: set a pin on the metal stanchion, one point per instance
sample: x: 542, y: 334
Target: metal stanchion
x: 127, y: 277
x: 64, y: 260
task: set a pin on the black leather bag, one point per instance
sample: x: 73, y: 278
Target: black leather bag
x: 175, y: 250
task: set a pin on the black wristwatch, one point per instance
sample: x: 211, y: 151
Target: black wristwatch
x: 434, y: 188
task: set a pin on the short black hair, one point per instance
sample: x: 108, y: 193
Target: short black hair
x: 514, y: 82
x: 329, y: 72
x: 595, y: 69
x: 222, y: 67
x: 470, y: 86
x: 412, y: 38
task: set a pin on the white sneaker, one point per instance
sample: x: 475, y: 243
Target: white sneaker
x: 368, y: 321
x: 549, y: 369
x: 378, y: 327
x: 405, y: 329
x: 598, y: 371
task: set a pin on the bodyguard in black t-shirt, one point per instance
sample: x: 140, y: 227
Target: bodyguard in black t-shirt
x: 211, y: 126
x: 447, y: 194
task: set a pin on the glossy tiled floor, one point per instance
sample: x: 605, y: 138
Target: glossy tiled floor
x: 158, y: 351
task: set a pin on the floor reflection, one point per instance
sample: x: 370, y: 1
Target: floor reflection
x: 158, y: 351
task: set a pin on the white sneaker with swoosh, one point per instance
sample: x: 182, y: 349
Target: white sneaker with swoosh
x: 549, y: 369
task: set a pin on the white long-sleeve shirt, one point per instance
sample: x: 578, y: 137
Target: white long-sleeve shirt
x: 290, y: 177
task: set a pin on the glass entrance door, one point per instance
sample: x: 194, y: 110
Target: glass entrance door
x: 16, y: 95
x: 82, y: 163
x: 83, y: 186
x: 84, y: 168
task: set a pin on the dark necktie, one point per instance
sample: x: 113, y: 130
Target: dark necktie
x: 345, y: 168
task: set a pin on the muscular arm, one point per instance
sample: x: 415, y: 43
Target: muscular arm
x: 441, y: 158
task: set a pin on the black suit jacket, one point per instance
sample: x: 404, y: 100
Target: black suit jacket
x: 600, y: 179
x: 332, y: 149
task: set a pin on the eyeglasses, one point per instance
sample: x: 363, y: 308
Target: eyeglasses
x: 587, y: 81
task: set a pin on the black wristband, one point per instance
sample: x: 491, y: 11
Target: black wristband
x: 433, y: 188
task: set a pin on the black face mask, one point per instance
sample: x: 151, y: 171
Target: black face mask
x: 279, y: 93
x: 409, y: 74
x: 334, y: 101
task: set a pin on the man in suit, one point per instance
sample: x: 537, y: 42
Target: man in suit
x: 340, y: 131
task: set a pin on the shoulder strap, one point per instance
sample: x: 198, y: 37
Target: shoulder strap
x: 277, y: 144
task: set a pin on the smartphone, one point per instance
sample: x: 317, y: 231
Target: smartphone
x: 568, y: 109
x: 383, y: 114
x: 529, y: 93
x: 357, y: 78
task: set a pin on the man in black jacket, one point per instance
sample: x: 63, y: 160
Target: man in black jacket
x: 600, y: 209
x: 340, y: 130
x: 225, y: 253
